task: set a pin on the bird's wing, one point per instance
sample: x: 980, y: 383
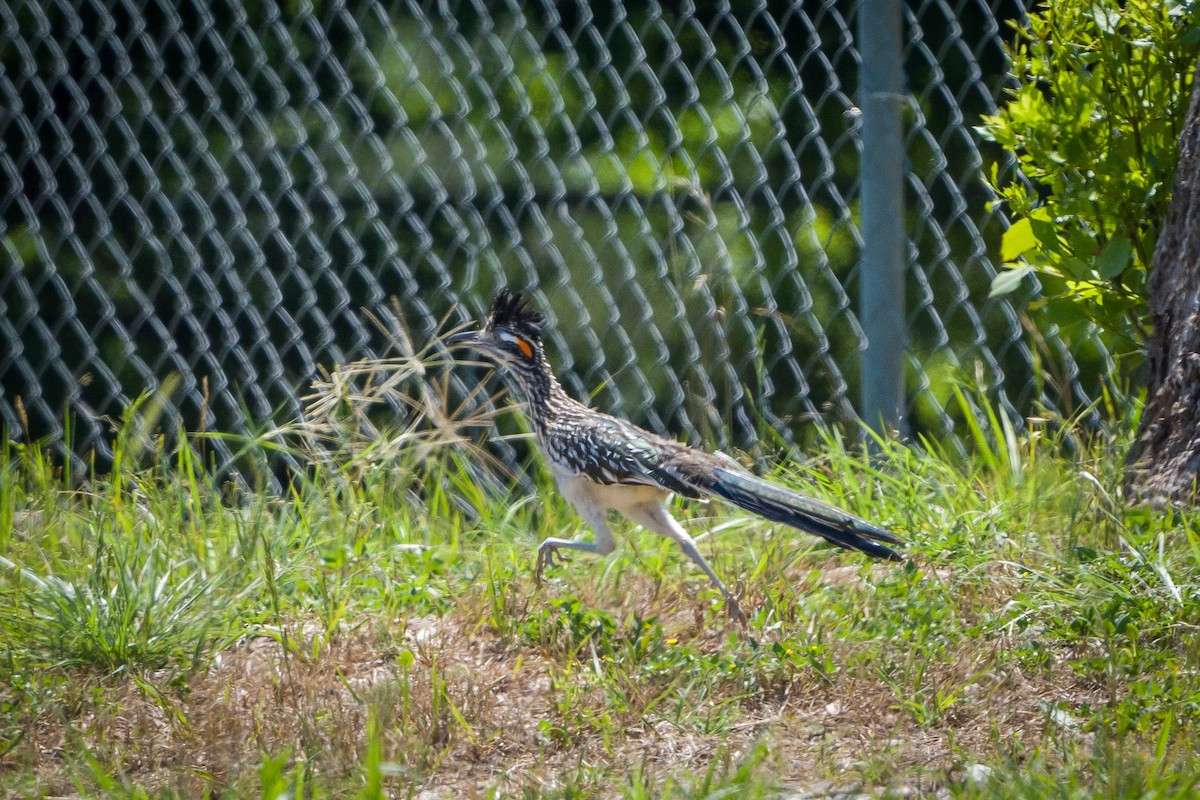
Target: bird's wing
x: 610, y: 450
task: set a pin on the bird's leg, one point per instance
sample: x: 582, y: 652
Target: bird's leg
x: 688, y: 546
x: 548, y: 549
x: 655, y: 517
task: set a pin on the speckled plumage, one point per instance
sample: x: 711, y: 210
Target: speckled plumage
x: 605, y: 463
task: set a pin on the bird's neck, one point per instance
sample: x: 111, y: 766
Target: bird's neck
x: 537, y: 385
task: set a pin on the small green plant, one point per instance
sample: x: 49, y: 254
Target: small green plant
x: 133, y: 609
x: 1094, y: 123
x: 567, y: 626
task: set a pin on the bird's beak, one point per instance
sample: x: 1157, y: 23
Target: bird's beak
x: 462, y: 339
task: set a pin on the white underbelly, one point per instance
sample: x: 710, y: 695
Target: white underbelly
x: 584, y: 493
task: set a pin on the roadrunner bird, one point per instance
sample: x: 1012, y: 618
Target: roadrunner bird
x: 603, y: 463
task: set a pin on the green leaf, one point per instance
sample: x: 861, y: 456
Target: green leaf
x: 1007, y: 281
x: 1016, y: 240
x: 1045, y: 230
x: 1077, y: 267
x: 1114, y: 258
x: 1107, y: 19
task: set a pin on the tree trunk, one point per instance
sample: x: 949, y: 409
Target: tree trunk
x: 1164, y: 464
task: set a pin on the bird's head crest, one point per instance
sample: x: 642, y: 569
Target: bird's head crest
x: 510, y: 312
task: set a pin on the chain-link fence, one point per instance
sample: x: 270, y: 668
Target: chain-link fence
x: 217, y: 190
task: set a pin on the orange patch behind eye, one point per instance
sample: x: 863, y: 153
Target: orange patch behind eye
x: 525, y: 348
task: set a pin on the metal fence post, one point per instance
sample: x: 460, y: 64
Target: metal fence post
x: 881, y: 298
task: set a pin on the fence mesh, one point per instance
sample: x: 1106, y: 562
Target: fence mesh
x: 217, y: 191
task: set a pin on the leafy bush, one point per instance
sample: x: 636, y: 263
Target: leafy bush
x: 1102, y: 91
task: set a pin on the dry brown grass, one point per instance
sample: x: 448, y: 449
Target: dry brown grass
x: 460, y: 708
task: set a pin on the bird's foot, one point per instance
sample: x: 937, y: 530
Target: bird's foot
x: 736, y: 615
x: 548, y: 556
x: 735, y: 609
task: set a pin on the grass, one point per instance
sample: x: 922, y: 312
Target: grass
x: 375, y: 630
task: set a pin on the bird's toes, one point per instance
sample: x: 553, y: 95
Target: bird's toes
x: 736, y: 615
x: 734, y: 607
x: 548, y: 556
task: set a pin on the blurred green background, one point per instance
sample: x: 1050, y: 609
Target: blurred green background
x: 218, y: 190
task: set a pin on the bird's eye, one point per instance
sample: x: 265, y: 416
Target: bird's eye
x: 516, y: 342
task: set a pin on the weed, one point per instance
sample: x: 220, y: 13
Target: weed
x: 375, y: 630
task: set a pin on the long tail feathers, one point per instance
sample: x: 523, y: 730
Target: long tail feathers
x: 780, y: 504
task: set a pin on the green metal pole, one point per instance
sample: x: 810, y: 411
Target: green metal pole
x: 881, y: 298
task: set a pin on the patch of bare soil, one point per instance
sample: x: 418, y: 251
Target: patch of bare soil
x: 455, y: 709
